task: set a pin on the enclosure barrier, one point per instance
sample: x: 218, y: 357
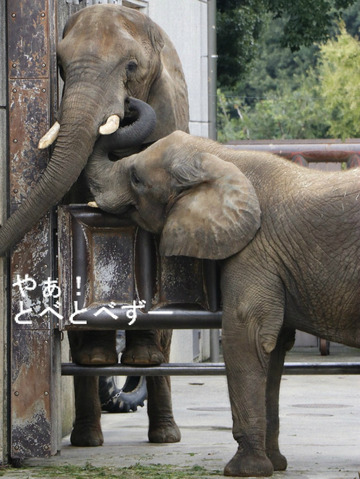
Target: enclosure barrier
x: 204, y: 369
x: 203, y: 313
x: 126, y: 267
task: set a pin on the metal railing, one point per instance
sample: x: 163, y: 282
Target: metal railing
x: 303, y: 153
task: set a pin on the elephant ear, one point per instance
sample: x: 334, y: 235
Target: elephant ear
x: 215, y: 217
x: 168, y: 94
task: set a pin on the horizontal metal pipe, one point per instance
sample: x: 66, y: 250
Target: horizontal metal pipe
x: 325, y: 146
x: 204, y: 369
x: 157, y: 319
x: 312, y: 153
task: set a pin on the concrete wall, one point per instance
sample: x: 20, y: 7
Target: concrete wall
x: 186, y: 24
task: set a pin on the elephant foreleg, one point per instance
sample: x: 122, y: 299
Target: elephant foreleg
x: 87, y: 428
x: 93, y: 347
x: 277, y: 357
x: 89, y: 348
x: 162, y: 425
x: 143, y: 348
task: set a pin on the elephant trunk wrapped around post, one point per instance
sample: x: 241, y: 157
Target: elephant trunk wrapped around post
x: 103, y: 66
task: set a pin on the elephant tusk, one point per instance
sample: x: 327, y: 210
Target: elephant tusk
x: 50, y: 136
x: 93, y: 204
x: 111, y: 125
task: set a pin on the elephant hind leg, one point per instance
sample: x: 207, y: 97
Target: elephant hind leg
x: 253, y: 314
x: 246, y: 377
x: 285, y: 342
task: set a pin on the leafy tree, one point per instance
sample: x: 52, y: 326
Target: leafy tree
x: 284, y: 114
x: 238, y: 28
x: 295, y: 94
x: 239, y: 24
x: 340, y: 86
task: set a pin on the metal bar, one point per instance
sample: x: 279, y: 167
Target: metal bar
x: 211, y: 278
x: 144, y: 265
x: 156, y: 319
x: 212, y: 68
x: 290, y: 145
x: 348, y: 367
x: 204, y: 369
x: 311, y: 152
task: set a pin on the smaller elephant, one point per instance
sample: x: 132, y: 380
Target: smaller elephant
x: 289, y: 243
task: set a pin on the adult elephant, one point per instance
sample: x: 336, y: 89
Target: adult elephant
x: 289, y: 241
x: 118, y: 67
x: 108, y: 54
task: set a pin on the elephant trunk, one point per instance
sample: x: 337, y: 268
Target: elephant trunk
x: 105, y: 177
x: 79, y: 124
x: 78, y: 132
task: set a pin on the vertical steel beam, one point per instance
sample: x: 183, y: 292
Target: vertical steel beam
x: 3, y: 209
x: 33, y: 343
x: 212, y: 67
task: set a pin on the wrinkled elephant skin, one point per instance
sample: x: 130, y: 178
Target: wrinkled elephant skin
x: 108, y: 54
x: 289, y: 243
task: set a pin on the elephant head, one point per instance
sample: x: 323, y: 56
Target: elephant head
x: 108, y: 55
x: 201, y: 205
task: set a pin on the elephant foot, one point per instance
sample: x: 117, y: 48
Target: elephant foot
x: 92, y: 348
x: 97, y: 356
x: 165, y: 433
x: 279, y: 461
x: 142, y: 355
x: 246, y: 465
x: 86, y: 436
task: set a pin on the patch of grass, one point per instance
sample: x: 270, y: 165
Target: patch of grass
x: 138, y: 471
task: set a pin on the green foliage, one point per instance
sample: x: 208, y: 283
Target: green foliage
x: 307, y: 21
x: 237, y: 31
x: 284, y: 114
x: 309, y: 93
x: 240, y: 22
x: 340, y: 86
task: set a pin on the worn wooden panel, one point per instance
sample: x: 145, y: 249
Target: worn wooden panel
x: 29, y: 114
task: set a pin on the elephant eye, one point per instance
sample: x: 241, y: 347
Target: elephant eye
x: 135, y: 180
x: 131, y: 67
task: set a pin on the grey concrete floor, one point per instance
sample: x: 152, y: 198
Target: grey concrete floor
x: 320, y: 424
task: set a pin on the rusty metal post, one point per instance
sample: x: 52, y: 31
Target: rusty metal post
x: 3, y: 209
x: 35, y: 368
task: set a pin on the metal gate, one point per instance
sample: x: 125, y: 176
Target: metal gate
x: 110, y: 272
x: 104, y: 262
